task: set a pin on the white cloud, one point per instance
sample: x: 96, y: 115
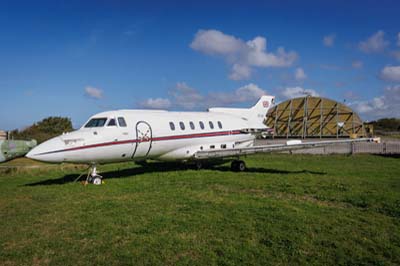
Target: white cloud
x: 216, y: 42
x: 240, y: 72
x: 93, y: 92
x: 374, y: 44
x: 295, y: 92
x: 363, y: 107
x: 357, y: 64
x: 329, y: 40
x: 256, y: 55
x: 157, y: 103
x: 248, y: 93
x: 299, y: 74
x: 241, y: 55
x: 390, y: 73
x: 185, y: 97
x: 386, y: 105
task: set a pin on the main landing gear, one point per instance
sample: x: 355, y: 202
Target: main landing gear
x: 93, y: 177
x: 198, y: 165
x: 238, y: 166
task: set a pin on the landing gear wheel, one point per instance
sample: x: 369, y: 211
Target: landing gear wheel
x: 241, y: 166
x: 234, y: 165
x: 93, y: 177
x: 198, y: 165
x: 96, y: 180
x: 238, y: 166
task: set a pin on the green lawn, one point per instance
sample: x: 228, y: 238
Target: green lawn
x: 285, y: 210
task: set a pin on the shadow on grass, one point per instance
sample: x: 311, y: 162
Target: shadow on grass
x: 389, y: 155
x: 269, y: 171
x: 159, y: 167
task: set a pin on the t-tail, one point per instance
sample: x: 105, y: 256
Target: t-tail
x: 254, y: 115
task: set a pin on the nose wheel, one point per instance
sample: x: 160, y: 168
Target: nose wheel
x: 93, y: 177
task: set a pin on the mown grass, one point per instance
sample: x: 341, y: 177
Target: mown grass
x: 285, y: 210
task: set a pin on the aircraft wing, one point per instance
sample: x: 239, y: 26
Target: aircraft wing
x: 288, y: 146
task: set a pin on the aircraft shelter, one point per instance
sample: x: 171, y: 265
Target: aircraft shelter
x: 309, y: 116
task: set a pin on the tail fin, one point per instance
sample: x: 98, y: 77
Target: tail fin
x: 255, y: 115
x: 263, y: 105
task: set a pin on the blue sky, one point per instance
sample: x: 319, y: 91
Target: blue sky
x: 77, y: 58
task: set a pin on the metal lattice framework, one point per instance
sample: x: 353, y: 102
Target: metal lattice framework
x: 314, y: 117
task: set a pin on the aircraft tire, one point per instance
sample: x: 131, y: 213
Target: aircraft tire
x: 241, y: 165
x: 96, y: 180
x: 238, y: 166
x: 198, y: 165
x: 234, y: 166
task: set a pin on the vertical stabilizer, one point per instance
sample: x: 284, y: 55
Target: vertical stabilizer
x: 263, y: 105
x: 255, y: 115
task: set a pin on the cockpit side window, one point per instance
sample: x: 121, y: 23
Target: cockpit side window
x: 96, y: 122
x: 121, y: 122
x: 112, y: 123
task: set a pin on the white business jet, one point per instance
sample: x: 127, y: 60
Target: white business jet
x: 138, y: 135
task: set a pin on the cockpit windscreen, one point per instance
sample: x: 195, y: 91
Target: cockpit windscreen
x: 96, y: 122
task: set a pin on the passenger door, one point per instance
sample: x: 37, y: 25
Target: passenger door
x: 144, y: 135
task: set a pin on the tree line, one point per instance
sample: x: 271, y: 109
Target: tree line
x: 44, y: 130
x: 387, y: 124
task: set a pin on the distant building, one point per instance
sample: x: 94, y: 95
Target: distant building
x: 3, y: 135
x: 308, y: 116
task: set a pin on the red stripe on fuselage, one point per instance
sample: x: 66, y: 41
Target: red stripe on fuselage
x: 173, y: 137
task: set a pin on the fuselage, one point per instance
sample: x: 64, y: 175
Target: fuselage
x: 10, y: 149
x: 126, y: 135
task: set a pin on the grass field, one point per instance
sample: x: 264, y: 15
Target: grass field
x: 285, y: 210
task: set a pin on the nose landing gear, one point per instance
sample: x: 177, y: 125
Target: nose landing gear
x: 93, y: 177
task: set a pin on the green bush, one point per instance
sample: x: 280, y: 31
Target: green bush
x: 45, y: 129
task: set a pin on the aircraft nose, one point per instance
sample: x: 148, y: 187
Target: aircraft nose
x: 48, y: 151
x: 31, y: 154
